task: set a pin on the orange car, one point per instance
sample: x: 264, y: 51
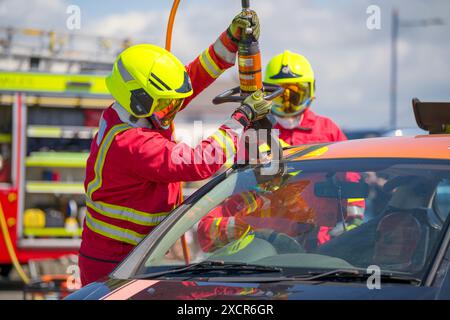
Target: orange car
x: 269, y: 247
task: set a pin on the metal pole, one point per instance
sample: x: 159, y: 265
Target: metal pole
x: 393, y: 88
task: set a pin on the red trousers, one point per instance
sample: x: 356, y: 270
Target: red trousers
x: 92, y: 270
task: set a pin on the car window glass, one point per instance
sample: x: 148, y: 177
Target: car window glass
x: 338, y: 214
x: 442, y: 199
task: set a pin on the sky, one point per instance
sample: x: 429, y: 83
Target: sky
x: 351, y: 62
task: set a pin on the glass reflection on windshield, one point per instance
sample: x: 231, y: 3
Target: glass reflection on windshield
x: 318, y: 215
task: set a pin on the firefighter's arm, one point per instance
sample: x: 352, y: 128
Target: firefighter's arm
x: 221, y: 55
x: 158, y: 159
x: 210, y: 64
x: 215, y: 231
x: 229, y: 221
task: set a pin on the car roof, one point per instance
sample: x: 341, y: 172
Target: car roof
x: 420, y: 147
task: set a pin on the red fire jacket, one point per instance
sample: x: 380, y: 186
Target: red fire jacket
x: 322, y: 128
x: 133, y: 172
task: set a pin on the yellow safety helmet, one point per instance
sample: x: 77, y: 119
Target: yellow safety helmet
x: 148, y: 80
x: 293, y: 72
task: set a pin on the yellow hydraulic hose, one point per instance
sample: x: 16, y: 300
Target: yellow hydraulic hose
x: 173, y: 12
x: 10, y: 247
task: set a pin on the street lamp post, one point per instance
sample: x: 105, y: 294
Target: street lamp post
x: 395, y: 26
x: 393, y: 86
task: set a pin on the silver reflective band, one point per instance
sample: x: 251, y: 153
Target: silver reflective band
x: 230, y: 228
x: 223, y: 52
x: 110, y: 231
x: 126, y: 76
x: 214, y: 71
x: 235, y: 125
x: 145, y: 219
x: 355, y: 211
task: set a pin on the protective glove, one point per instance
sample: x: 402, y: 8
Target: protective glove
x: 282, y: 242
x: 254, y: 107
x: 240, y: 24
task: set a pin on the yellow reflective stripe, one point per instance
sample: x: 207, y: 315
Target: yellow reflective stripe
x: 214, y: 231
x: 96, y: 183
x: 249, y: 209
x: 126, y: 214
x: 283, y: 143
x: 231, y: 148
x: 241, y: 243
x: 55, y: 83
x: 250, y: 200
x: 264, y: 147
x: 254, y: 202
x: 227, y: 145
x: 229, y: 140
x: 113, y: 232
x: 209, y: 65
x: 350, y: 200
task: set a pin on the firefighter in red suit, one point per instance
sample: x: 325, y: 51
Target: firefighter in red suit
x: 134, y: 169
x: 297, y: 124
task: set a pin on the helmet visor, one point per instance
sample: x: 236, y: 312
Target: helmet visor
x: 292, y: 101
x: 166, y: 110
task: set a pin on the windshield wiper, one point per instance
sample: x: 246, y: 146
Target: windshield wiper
x: 343, y: 274
x: 212, y: 266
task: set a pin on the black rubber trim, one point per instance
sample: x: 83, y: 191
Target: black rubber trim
x: 230, y: 35
x: 250, y: 72
x: 155, y: 85
x: 186, y: 86
x: 160, y: 81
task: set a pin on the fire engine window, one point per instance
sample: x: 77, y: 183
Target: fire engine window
x: 5, y: 143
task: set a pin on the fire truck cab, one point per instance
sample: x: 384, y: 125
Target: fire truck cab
x: 47, y: 122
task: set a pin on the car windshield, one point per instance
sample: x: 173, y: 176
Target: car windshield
x: 315, y: 216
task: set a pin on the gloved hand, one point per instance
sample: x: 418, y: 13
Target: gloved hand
x: 254, y: 107
x: 240, y: 24
x: 282, y: 242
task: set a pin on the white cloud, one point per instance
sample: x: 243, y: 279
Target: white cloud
x: 46, y: 14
